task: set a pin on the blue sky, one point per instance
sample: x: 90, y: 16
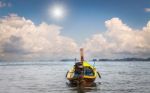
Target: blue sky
x: 51, y: 29
x: 84, y: 17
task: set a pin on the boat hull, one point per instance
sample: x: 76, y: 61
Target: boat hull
x: 87, y: 80
x: 84, y: 77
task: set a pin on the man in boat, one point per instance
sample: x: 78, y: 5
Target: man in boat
x: 78, y: 70
x: 79, y: 73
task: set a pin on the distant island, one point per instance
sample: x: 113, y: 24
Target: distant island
x: 117, y: 59
x: 73, y: 59
x: 126, y: 59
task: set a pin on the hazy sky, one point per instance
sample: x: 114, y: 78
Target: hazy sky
x: 32, y: 29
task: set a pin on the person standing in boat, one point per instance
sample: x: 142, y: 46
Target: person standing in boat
x: 78, y: 69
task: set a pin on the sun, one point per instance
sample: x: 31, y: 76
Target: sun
x: 57, y: 12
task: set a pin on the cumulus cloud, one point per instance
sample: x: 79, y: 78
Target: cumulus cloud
x: 147, y: 9
x: 119, y: 40
x: 20, y: 38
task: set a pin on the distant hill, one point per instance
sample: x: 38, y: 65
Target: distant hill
x: 121, y: 59
x: 68, y: 60
x: 126, y: 59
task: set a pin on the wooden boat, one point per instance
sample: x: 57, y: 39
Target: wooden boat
x: 82, y: 71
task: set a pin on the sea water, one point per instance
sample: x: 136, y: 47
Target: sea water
x: 49, y: 77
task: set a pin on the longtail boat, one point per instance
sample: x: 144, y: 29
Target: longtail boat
x: 82, y: 71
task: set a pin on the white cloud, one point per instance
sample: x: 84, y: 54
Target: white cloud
x: 147, y: 9
x: 119, y: 41
x: 21, y: 39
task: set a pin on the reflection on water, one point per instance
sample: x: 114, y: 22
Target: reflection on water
x: 49, y: 77
x: 88, y: 87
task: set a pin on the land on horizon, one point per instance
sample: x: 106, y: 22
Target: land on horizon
x: 97, y: 59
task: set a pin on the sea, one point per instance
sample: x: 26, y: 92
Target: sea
x: 50, y: 77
